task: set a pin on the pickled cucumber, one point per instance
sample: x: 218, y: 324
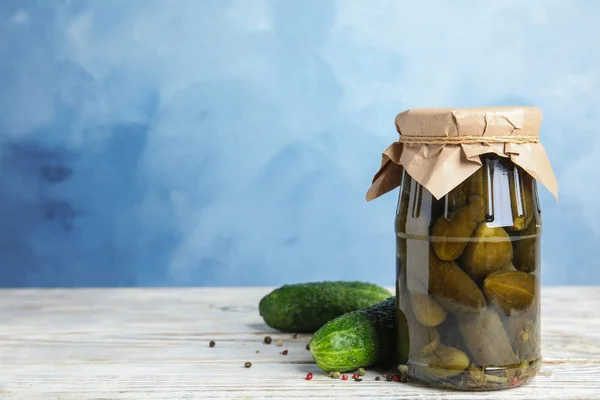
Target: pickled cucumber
x: 489, y: 251
x: 422, y: 339
x: 452, y: 287
x: 486, y: 339
x: 443, y: 363
x: 525, y: 250
x: 425, y: 340
x: 524, y: 333
x: 451, y: 235
x: 427, y: 311
x: 510, y: 290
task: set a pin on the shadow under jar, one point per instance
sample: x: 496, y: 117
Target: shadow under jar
x: 468, y: 279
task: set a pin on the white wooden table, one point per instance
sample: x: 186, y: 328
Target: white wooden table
x: 154, y: 344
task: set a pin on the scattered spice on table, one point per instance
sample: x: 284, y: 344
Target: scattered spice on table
x: 388, y: 378
x: 377, y: 378
x: 309, y: 376
x: 268, y: 340
x: 212, y: 343
x: 336, y: 375
x: 248, y: 364
x: 361, y: 371
x: 344, y: 377
x: 285, y: 352
x: 355, y: 376
x: 279, y: 343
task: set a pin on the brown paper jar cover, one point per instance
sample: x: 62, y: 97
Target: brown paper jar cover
x: 441, y: 147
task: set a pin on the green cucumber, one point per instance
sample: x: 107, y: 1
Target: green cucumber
x: 358, y: 339
x: 305, y: 307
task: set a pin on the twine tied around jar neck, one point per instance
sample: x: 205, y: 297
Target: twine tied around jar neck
x: 517, y: 139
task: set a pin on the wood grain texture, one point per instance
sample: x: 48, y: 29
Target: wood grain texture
x: 153, y: 344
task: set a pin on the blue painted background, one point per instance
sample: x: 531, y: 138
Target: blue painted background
x: 223, y: 142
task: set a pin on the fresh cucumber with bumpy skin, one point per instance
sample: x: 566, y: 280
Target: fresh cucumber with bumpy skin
x: 358, y: 339
x: 305, y: 307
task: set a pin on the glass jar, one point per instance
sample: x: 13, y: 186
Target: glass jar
x: 468, y: 279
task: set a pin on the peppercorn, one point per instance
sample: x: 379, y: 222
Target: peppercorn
x: 268, y: 339
x: 295, y: 336
x: 309, y: 376
x: 285, y: 352
x: 344, y: 377
x: 307, y: 347
x: 279, y: 343
x: 388, y: 378
x: 377, y: 378
x: 361, y: 371
x: 212, y: 343
x: 336, y: 375
x: 248, y: 364
x: 396, y: 378
x: 355, y: 376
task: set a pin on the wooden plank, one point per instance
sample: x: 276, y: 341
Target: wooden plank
x: 153, y: 344
x: 262, y: 381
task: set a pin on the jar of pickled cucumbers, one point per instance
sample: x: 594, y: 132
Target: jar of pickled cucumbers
x: 468, y: 231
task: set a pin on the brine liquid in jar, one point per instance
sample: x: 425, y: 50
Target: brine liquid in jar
x: 468, y: 279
